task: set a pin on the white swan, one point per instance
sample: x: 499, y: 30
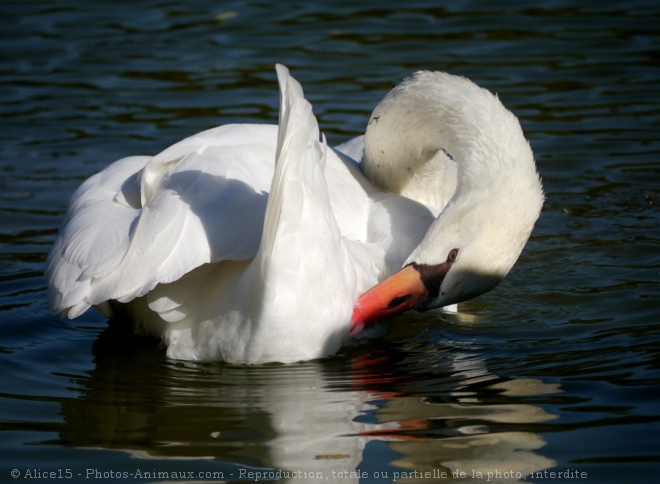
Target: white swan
x: 226, y: 255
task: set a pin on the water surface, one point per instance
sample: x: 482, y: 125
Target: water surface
x: 554, y: 371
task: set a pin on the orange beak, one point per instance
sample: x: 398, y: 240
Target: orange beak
x: 396, y: 294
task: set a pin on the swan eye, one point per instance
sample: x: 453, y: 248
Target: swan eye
x: 453, y: 255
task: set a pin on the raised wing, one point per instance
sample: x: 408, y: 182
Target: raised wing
x: 293, y: 301
x: 144, y: 221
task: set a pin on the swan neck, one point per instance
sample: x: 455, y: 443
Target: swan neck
x: 437, y: 135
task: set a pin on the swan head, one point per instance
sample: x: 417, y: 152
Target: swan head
x: 467, y: 251
x: 481, y: 231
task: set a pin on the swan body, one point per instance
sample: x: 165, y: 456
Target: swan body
x: 258, y: 243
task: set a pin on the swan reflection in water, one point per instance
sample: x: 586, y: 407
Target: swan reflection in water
x: 377, y: 410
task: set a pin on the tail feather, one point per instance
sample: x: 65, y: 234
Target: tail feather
x: 302, y: 264
x: 298, y: 136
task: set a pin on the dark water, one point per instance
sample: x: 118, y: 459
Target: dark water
x: 557, y: 370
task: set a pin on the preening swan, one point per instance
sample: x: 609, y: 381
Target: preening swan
x: 258, y: 243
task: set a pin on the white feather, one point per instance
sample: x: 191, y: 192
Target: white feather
x: 251, y: 243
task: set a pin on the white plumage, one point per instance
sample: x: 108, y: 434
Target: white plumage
x: 252, y: 243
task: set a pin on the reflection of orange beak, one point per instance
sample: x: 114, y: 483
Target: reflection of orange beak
x: 396, y: 294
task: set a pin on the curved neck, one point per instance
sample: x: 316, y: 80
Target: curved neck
x: 436, y: 136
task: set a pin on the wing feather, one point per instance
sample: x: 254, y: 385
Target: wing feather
x: 149, y: 220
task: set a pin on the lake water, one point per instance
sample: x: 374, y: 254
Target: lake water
x: 555, y: 371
